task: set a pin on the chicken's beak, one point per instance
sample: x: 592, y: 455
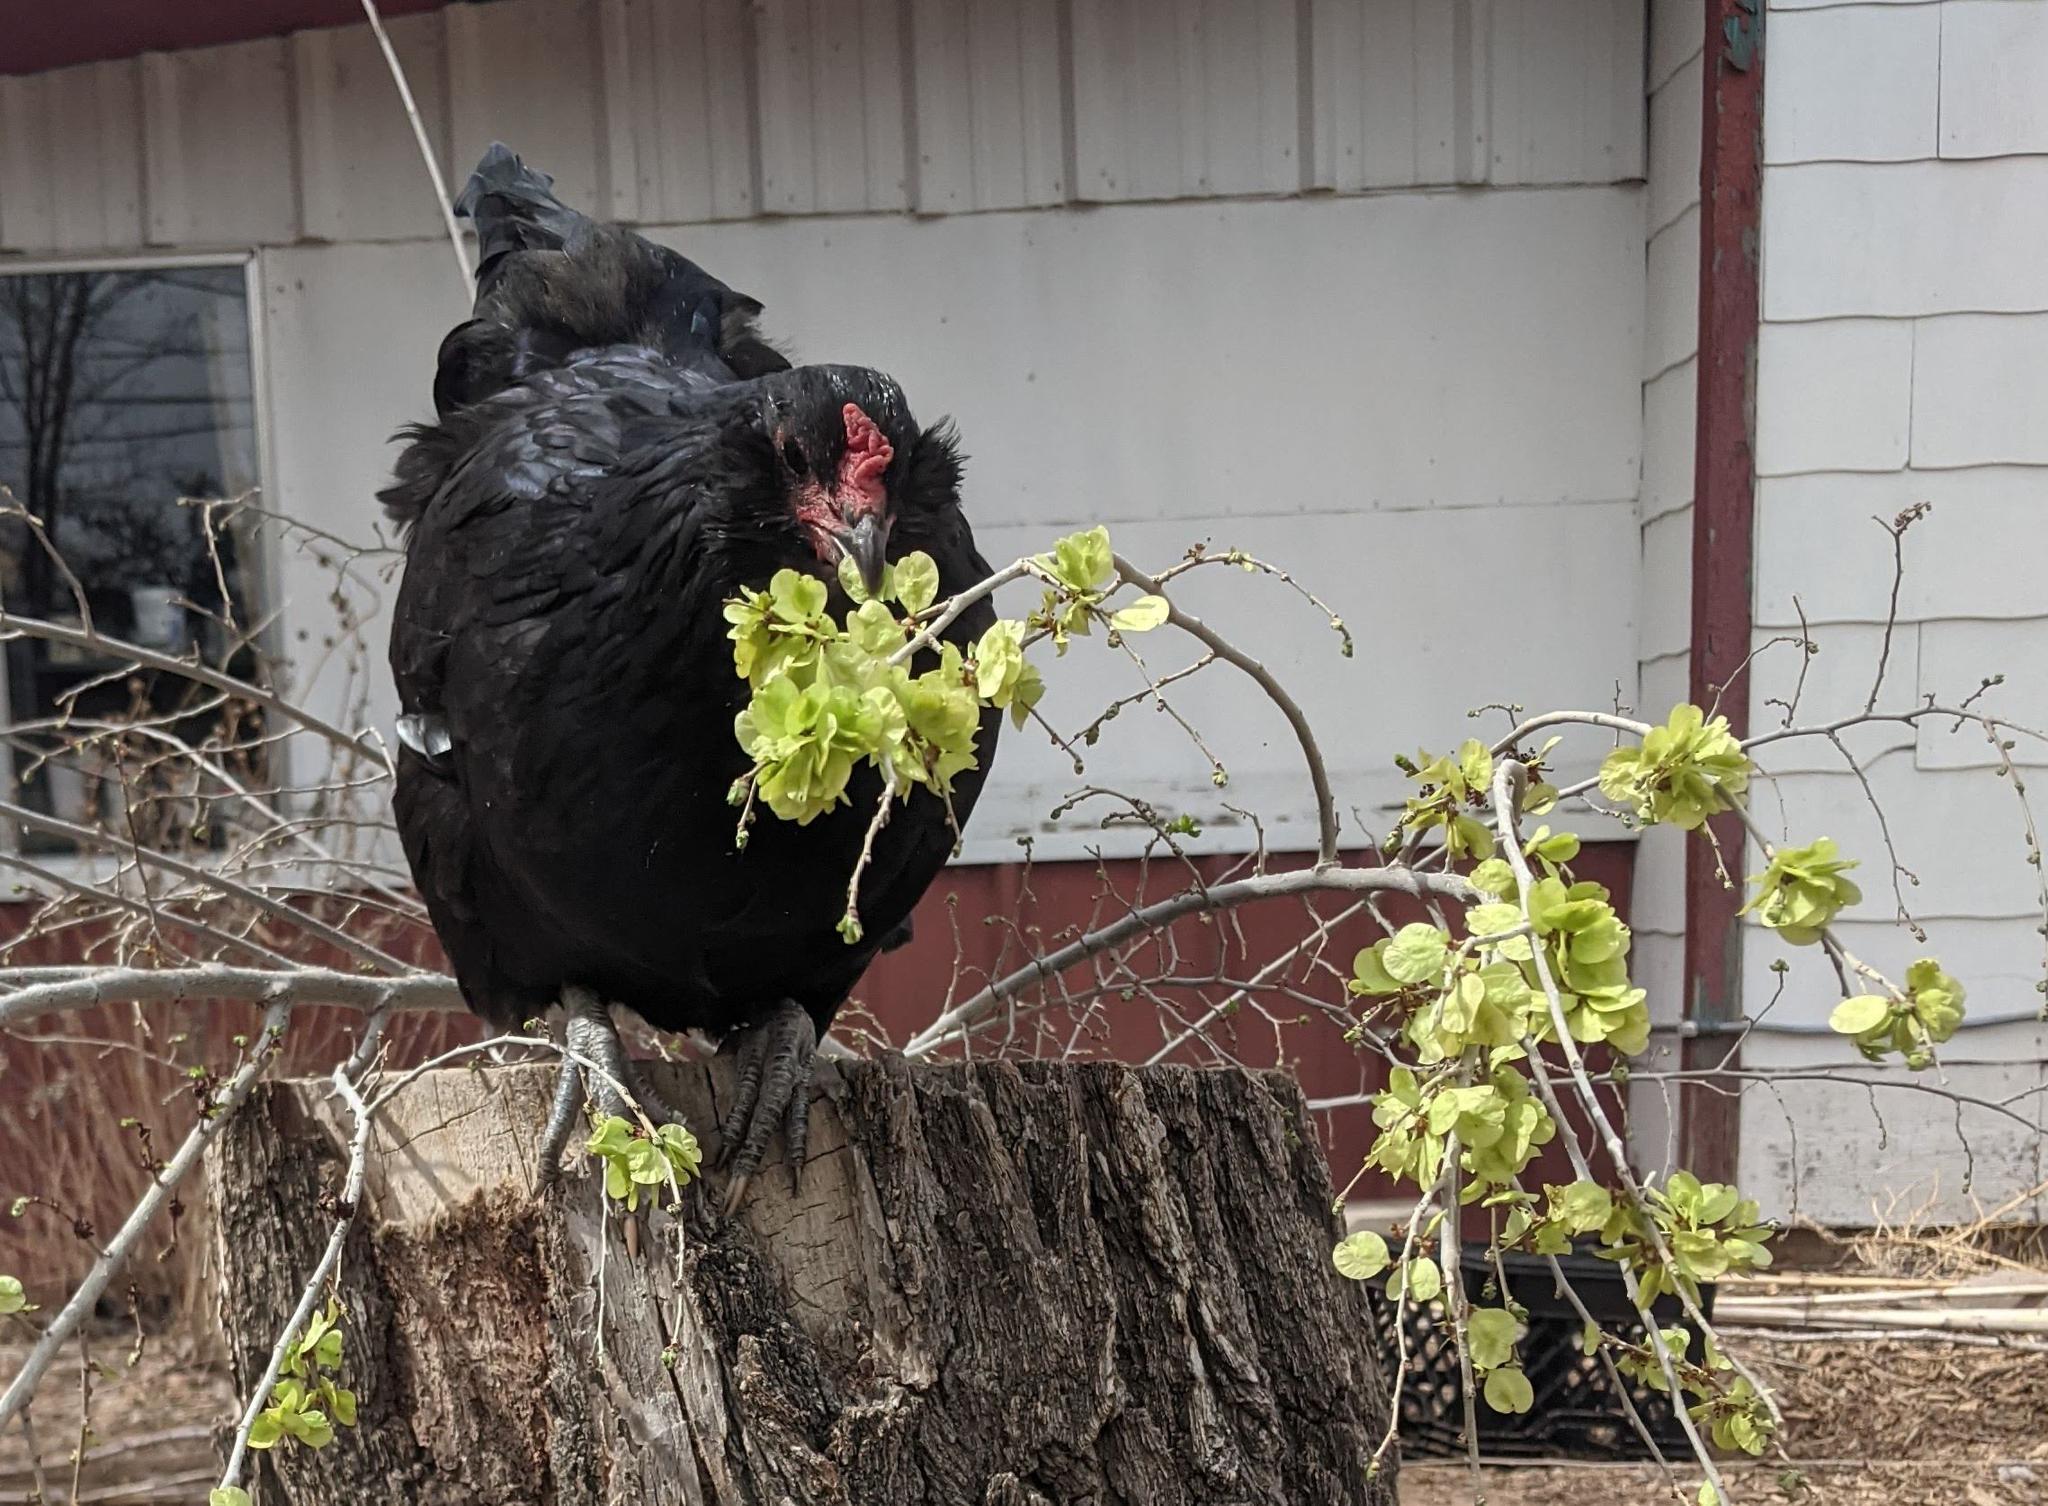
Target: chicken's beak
x: 866, y: 543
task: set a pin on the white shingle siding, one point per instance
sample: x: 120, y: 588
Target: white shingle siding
x: 1817, y: 1149
x: 71, y: 157
x: 1903, y: 239
x: 1659, y: 908
x: 1845, y: 396
x: 1673, y: 269
x: 1817, y: 539
x: 1836, y: 684
x: 340, y: 382
x: 1856, y: 83
x: 679, y: 114
x: 2003, y: 954
x: 1185, y: 99
x: 681, y: 111
x: 1542, y: 123
x: 1904, y: 358
x: 1164, y: 413
x: 1956, y: 657
x: 1980, y: 390
x: 1994, y: 78
x: 1674, y: 145
x: 1986, y: 877
x: 1670, y: 420
x: 1371, y: 307
x: 1664, y: 508
x: 530, y: 67
x: 832, y: 123
x: 1384, y: 568
x: 346, y: 191
x: 1383, y: 96
x: 1666, y: 613
x: 217, y: 146
x: 990, y: 118
x: 1672, y: 233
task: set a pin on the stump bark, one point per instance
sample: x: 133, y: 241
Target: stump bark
x: 1002, y: 1284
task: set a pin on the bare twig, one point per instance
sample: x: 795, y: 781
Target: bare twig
x: 851, y: 918
x: 1318, y: 771
x: 35, y: 1459
x: 85, y: 988
x: 13, y: 625
x: 419, y: 135
x: 87, y: 836
x: 949, y: 612
x: 222, y: 1107
x: 1222, y: 1010
x: 963, y: 1017
x: 1897, y: 529
x: 1456, y: 1303
x: 344, y: 1218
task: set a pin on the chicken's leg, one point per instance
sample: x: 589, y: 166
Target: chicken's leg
x: 774, y: 1086
x: 589, y: 1033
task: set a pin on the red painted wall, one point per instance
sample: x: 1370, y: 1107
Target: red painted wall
x: 907, y: 989
x: 60, y: 1104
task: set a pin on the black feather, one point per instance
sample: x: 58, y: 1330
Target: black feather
x: 515, y: 209
x: 572, y: 542
x: 551, y: 283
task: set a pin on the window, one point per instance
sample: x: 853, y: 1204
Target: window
x: 125, y: 394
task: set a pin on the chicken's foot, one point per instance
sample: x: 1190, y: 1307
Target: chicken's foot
x: 774, y: 1087
x: 587, y: 1032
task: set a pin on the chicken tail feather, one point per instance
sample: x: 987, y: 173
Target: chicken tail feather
x: 514, y: 207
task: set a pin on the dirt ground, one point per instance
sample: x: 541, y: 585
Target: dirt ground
x: 1918, y: 1423
x: 152, y: 1433
x: 1434, y: 1484
x: 1944, y: 1423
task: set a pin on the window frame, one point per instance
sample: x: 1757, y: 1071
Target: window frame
x: 99, y: 868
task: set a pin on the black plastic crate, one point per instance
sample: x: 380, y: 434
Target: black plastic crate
x: 1576, y: 1413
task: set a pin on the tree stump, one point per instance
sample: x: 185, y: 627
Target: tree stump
x: 1001, y: 1284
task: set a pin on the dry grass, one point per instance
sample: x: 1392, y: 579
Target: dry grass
x: 1903, y: 1424
x: 1928, y: 1421
x: 153, y: 1426
x: 1905, y: 1243
x: 1940, y: 1424
x: 89, y: 1102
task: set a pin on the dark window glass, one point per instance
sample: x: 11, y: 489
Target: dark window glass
x: 125, y: 396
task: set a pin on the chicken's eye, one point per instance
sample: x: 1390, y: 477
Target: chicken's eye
x: 792, y: 456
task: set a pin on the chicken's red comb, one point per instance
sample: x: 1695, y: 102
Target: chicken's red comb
x: 867, y: 453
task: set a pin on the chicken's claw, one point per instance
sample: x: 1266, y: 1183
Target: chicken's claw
x: 773, y: 1087
x: 590, y: 1034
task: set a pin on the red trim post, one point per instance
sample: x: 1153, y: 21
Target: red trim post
x: 1723, y: 534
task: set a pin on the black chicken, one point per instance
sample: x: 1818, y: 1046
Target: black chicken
x: 619, y: 453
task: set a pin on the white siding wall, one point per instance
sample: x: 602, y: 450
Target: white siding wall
x: 681, y: 111
x: 1300, y: 344
x: 1664, y: 587
x: 1904, y: 358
